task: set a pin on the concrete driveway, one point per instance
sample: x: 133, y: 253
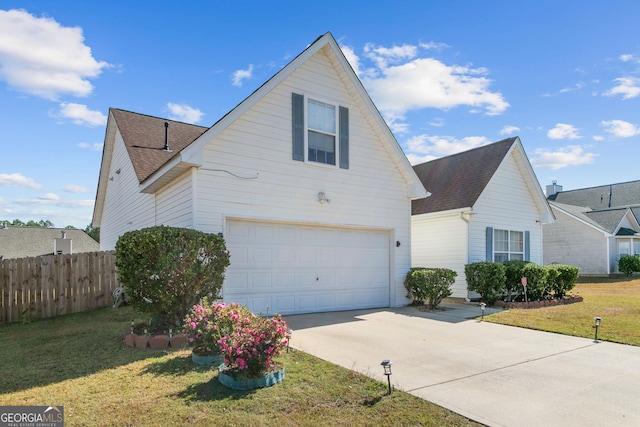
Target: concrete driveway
x: 496, y: 375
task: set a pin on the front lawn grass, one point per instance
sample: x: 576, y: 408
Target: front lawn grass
x: 80, y: 361
x: 616, y: 300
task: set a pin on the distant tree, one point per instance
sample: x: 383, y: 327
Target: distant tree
x: 43, y: 223
x: 70, y: 227
x: 93, y: 232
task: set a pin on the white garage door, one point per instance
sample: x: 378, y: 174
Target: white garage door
x: 305, y: 269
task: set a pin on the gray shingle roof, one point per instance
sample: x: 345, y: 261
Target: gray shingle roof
x: 457, y: 181
x: 19, y: 242
x: 605, y: 219
x: 604, y: 196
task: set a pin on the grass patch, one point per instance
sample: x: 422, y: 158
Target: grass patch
x: 80, y: 361
x: 615, y: 300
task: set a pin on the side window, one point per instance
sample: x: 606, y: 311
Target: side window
x: 320, y: 131
x: 506, y: 245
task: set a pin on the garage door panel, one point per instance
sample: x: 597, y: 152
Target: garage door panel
x: 302, y: 269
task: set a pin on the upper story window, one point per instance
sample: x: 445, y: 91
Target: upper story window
x: 508, y: 245
x: 320, y: 131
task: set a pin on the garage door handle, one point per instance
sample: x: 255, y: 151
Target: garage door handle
x: 317, y: 277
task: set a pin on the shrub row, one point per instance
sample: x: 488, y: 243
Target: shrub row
x: 429, y: 285
x: 502, y: 280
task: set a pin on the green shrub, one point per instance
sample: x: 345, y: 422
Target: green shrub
x: 167, y: 270
x: 629, y: 264
x: 537, y: 286
x: 486, y: 278
x: 514, y: 271
x: 430, y: 285
x: 562, y: 278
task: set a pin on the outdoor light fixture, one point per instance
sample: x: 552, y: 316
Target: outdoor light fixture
x: 322, y: 198
x: 482, y: 307
x: 597, y: 325
x: 386, y: 364
x: 132, y: 326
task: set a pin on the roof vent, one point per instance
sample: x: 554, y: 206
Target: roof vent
x: 166, y: 137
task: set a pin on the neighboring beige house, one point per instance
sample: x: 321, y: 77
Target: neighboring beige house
x: 486, y: 204
x: 303, y: 178
x: 595, y: 226
x: 21, y: 242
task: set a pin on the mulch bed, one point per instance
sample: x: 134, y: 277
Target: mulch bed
x: 539, y: 304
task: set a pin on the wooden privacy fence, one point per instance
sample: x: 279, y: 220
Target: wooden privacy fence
x: 52, y: 285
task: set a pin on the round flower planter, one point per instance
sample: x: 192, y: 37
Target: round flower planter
x: 250, y: 383
x: 207, y: 359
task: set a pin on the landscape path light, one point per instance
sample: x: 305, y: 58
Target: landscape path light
x: 597, y: 325
x: 482, y: 307
x: 386, y: 364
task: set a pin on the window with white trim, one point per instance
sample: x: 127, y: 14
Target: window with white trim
x: 321, y: 132
x: 508, y: 245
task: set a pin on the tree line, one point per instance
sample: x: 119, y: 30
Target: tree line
x: 93, y: 232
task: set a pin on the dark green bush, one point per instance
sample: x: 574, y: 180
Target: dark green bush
x: 629, y: 264
x: 562, y: 278
x: 486, y: 278
x: 514, y: 270
x: 430, y: 285
x: 537, y: 287
x: 166, y: 270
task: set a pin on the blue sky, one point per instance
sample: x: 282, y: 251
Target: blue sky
x: 447, y: 76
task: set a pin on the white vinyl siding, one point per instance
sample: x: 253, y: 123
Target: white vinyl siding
x: 125, y: 208
x: 507, y: 203
x: 445, y: 246
x: 266, y: 185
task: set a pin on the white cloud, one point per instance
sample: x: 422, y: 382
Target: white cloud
x: 626, y: 57
x: 571, y: 155
x: 628, y: 87
x: 17, y: 180
x: 437, y: 122
x: 399, y: 80
x: 509, y: 130
x: 73, y: 188
x: 184, y: 113
x: 434, y: 45
x: 79, y: 114
x: 49, y: 197
x: 432, y: 146
x: 239, y: 76
x: 620, y: 128
x: 598, y: 138
x: 563, y: 131
x: 96, y: 146
x: 43, y: 58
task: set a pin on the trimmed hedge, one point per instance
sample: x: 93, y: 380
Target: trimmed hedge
x: 486, y: 278
x: 166, y: 270
x: 430, y: 285
x: 502, y: 280
x: 629, y: 264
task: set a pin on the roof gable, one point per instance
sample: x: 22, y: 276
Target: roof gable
x: 457, y: 181
x: 607, y: 220
x: 144, y: 138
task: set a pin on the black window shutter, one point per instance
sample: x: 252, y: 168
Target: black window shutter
x: 527, y: 246
x: 343, y: 118
x: 297, y: 113
x: 489, y: 254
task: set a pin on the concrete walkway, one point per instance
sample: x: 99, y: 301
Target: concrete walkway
x: 496, y: 375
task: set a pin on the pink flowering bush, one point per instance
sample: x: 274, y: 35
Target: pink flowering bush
x: 206, y: 323
x: 249, y: 351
